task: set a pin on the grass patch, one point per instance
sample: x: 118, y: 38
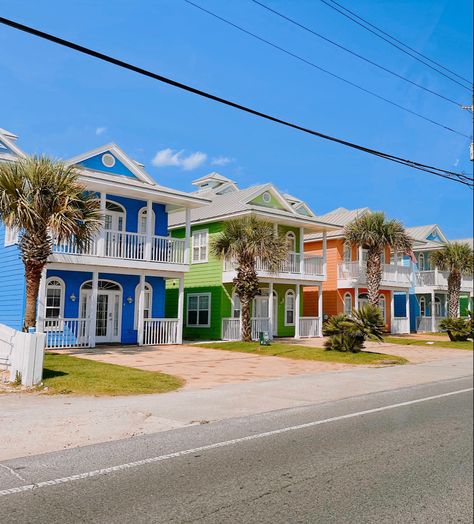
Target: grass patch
x: 67, y: 374
x: 466, y: 344
x: 300, y: 352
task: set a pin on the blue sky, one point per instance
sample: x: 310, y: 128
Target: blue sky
x: 61, y: 103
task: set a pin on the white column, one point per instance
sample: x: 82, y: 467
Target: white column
x: 297, y: 312
x: 271, y: 313
x: 445, y: 305
x: 320, y: 310
x: 392, y: 310
x: 356, y: 299
x: 361, y: 251
x: 149, y: 232
x: 93, y: 308
x: 141, y: 308
x: 325, y: 251
x: 395, y: 261
x: 302, y: 250
x: 101, y: 239
x: 180, y: 310
x: 187, y: 237
x: 41, y: 311
x: 407, y: 309
x: 432, y: 310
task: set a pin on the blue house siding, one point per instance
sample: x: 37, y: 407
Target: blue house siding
x: 95, y: 163
x: 12, y: 290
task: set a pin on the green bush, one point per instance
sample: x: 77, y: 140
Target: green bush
x: 348, y: 333
x: 458, y: 328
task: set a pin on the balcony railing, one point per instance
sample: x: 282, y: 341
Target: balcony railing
x: 439, y: 279
x: 312, y: 265
x: 392, y: 274
x: 126, y: 245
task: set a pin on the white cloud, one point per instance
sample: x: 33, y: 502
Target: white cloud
x: 221, y: 160
x: 456, y: 163
x: 100, y: 130
x: 170, y: 157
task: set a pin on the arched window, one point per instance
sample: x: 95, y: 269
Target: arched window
x: 114, y: 219
x: 147, y: 303
x: 347, y: 253
x: 347, y: 304
x: 142, y: 221
x: 383, y: 307
x: 54, y: 301
x: 422, y: 307
x: 437, y: 307
x: 291, y: 241
x: 421, y: 261
x: 290, y: 308
x: 236, y: 307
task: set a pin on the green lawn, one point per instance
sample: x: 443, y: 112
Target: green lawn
x: 300, y: 352
x: 66, y: 374
x: 468, y: 344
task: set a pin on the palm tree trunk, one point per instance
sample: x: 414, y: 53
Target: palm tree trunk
x: 33, y: 279
x: 246, y: 327
x: 374, y: 277
x: 454, y: 290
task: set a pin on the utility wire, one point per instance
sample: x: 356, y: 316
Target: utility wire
x: 450, y: 175
x: 326, y: 71
x: 354, y: 53
x: 344, y: 11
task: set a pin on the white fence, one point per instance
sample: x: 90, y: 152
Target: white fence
x: 309, y: 327
x: 312, y: 265
x: 161, y: 331
x: 21, y: 355
x: 64, y: 333
x: 424, y: 324
x: 231, y: 328
x: 400, y: 325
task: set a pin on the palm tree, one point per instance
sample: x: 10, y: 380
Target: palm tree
x: 244, y: 240
x: 374, y: 232
x: 458, y: 259
x: 42, y: 198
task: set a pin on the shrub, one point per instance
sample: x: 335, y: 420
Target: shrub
x: 457, y: 328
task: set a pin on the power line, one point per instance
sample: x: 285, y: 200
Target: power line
x: 443, y: 173
x: 354, y: 53
x: 344, y: 11
x: 326, y: 71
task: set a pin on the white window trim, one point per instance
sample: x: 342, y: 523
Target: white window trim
x: 422, y: 299
x: 209, y: 295
x: 62, y: 298
x: 290, y: 292
x: 421, y: 257
x: 11, y: 236
x: 234, y: 300
x: 384, y: 310
x: 291, y: 235
x: 141, y: 212
x: 148, y: 289
x: 199, y: 231
x: 349, y: 296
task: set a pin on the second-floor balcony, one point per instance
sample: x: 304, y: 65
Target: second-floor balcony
x: 296, y: 267
x: 120, y: 247
x: 433, y: 279
x: 354, y: 274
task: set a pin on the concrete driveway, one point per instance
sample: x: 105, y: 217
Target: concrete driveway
x: 205, y: 368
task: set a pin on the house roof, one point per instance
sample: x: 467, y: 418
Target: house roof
x: 340, y: 217
x: 8, y: 134
x: 468, y: 241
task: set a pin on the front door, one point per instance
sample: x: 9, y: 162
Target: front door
x: 108, y: 318
x: 261, y: 310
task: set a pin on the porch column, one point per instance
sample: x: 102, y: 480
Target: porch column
x: 141, y: 308
x: 93, y: 308
x: 392, y: 310
x: 432, y: 311
x: 101, y: 239
x: 40, y: 314
x: 270, y: 309
x: 179, y: 338
x: 320, y: 310
x: 356, y: 299
x: 302, y: 250
x: 187, y: 237
x: 297, y: 311
x: 407, y: 309
x: 149, y: 232
x: 361, y: 251
x: 325, y: 250
x: 445, y: 304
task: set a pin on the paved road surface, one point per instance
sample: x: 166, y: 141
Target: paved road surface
x: 400, y: 461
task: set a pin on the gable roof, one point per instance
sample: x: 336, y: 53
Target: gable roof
x: 340, y: 217
x: 468, y: 241
x: 9, y: 150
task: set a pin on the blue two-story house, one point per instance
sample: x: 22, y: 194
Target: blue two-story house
x: 114, y: 290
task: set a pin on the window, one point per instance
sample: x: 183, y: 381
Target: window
x: 199, y: 310
x: 290, y: 308
x: 142, y: 216
x: 54, y: 302
x: 437, y: 307
x: 347, y: 254
x: 266, y: 197
x: 11, y: 236
x: 383, y: 307
x: 200, y: 239
x: 421, y: 261
x: 147, y: 306
x: 348, y: 304
x: 236, y: 306
x: 108, y: 160
x: 422, y: 307
x: 382, y: 258
x: 291, y: 241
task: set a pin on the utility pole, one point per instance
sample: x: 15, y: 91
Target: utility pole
x: 471, y: 109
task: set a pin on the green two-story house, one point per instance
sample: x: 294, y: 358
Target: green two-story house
x: 211, y: 308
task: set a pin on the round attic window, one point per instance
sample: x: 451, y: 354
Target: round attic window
x: 108, y: 160
x: 267, y: 197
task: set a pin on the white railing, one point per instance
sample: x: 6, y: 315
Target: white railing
x: 260, y: 324
x: 63, y: 333
x: 231, y: 329
x: 158, y: 331
x: 313, y: 265
x: 424, y: 325
x: 125, y: 245
x: 400, y: 325
x: 439, y: 279
x: 309, y: 327
x: 391, y: 273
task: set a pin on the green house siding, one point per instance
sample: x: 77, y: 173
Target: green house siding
x: 273, y: 203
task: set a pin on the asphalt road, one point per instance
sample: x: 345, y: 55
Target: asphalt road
x: 407, y: 458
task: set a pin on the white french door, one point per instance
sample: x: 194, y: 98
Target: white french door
x: 108, y: 316
x: 261, y: 310
x: 114, y: 225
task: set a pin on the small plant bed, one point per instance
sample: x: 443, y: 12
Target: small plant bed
x: 300, y: 352
x: 66, y: 374
x: 462, y: 344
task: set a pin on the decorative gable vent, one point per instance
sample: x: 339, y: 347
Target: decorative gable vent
x: 108, y: 160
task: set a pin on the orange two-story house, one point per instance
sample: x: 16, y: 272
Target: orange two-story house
x: 345, y: 287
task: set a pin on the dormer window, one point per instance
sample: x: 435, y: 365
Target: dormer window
x: 108, y: 160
